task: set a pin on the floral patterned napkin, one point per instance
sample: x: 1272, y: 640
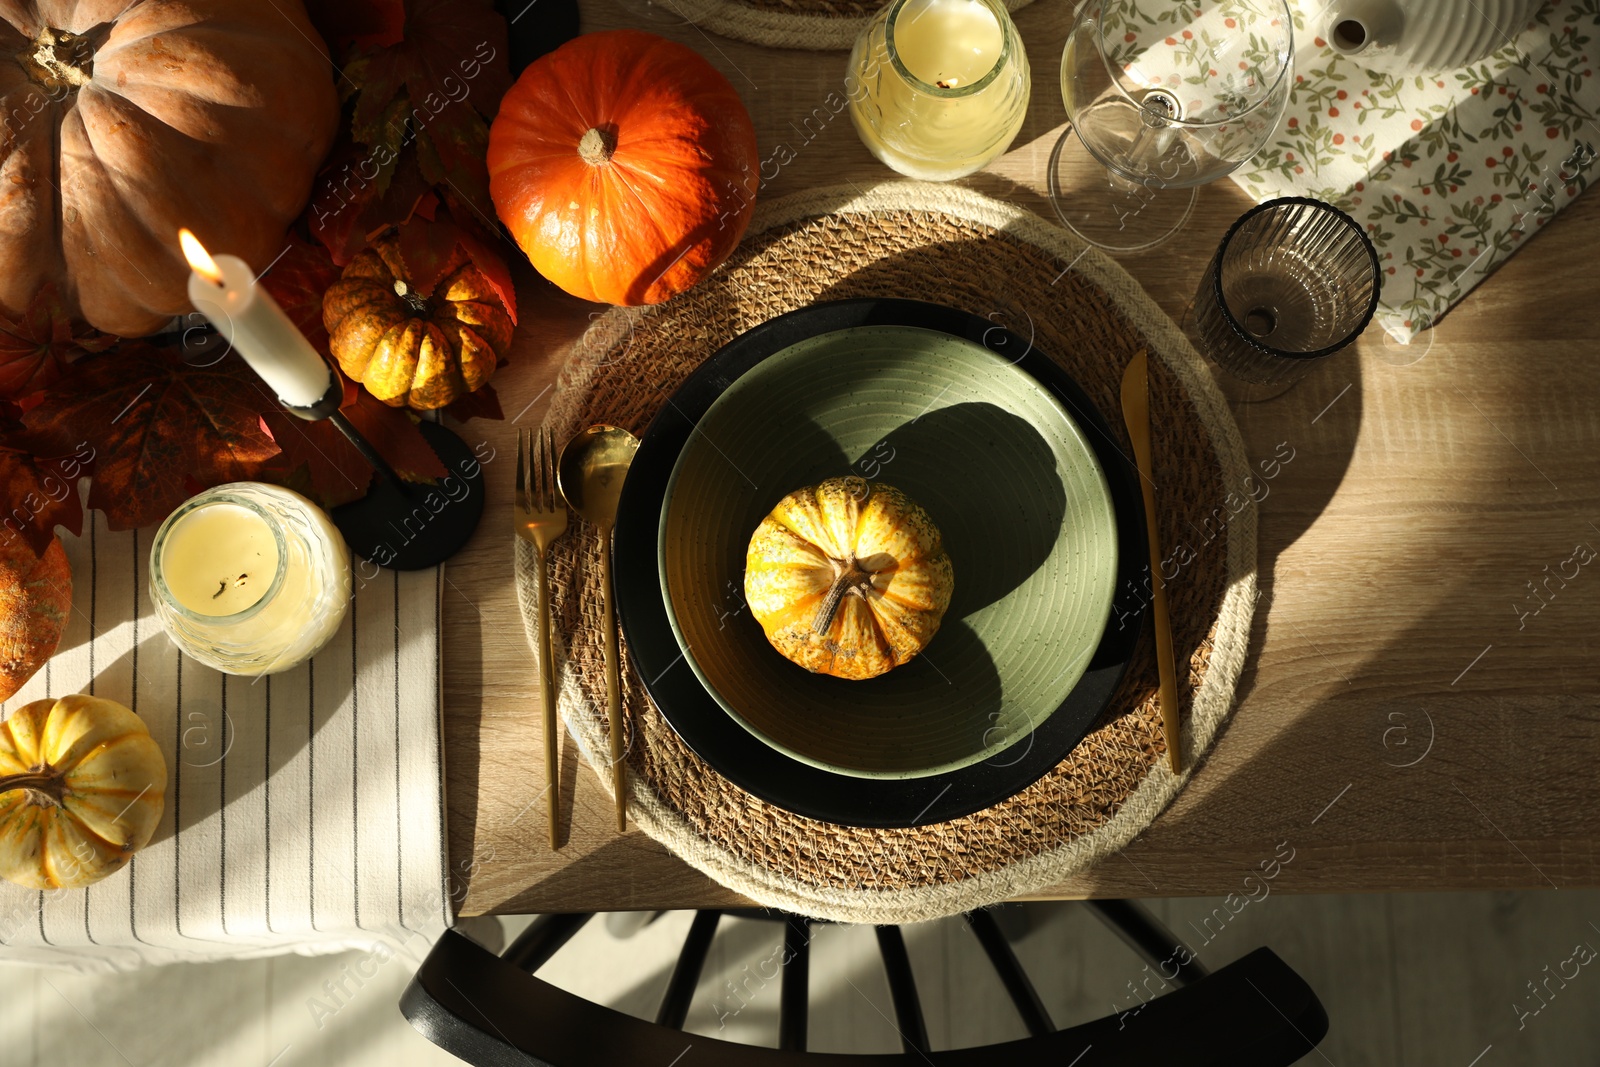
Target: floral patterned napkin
x: 1450, y: 171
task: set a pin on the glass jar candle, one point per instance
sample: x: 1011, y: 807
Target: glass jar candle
x: 250, y: 579
x: 938, y: 88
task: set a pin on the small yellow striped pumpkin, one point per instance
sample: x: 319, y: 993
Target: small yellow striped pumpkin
x: 82, y: 786
x: 848, y: 578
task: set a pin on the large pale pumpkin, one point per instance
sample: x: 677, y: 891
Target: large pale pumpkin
x: 35, y: 600
x: 848, y: 578
x: 409, y: 348
x: 624, y: 165
x: 126, y: 119
x: 82, y: 786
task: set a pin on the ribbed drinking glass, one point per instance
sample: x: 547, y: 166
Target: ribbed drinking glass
x: 1293, y: 281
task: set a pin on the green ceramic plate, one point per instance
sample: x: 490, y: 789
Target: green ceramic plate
x: 1003, y: 470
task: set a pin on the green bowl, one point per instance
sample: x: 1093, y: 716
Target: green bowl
x: 1004, y: 472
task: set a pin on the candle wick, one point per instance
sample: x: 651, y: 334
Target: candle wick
x: 222, y: 585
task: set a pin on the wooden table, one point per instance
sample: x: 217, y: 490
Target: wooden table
x: 1401, y: 725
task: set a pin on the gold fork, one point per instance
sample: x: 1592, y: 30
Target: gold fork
x: 541, y: 518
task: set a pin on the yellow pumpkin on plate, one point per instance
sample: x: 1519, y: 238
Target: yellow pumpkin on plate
x: 848, y: 578
x: 82, y: 785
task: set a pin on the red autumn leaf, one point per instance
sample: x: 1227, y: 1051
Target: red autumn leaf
x: 453, y: 52
x: 316, y: 460
x: 427, y: 207
x: 40, y: 494
x: 320, y: 462
x: 494, y: 267
x: 154, y: 422
x: 393, y: 432
x: 481, y: 403
x: 452, y: 157
x: 35, y: 349
x: 358, y: 23
x: 430, y: 250
x: 363, y: 190
x: 297, y: 282
x: 451, y: 71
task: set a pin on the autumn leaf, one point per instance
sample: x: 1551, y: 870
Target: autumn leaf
x: 451, y: 69
x: 315, y: 459
x: 453, y: 52
x: 358, y: 23
x: 494, y: 268
x: 481, y: 403
x: 320, y: 462
x: 297, y: 281
x: 157, y: 425
x: 36, y: 348
x: 41, y: 494
x: 364, y: 190
x: 432, y: 249
x: 393, y: 432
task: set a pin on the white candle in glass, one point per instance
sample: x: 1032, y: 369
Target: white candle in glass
x: 948, y: 43
x: 938, y: 88
x: 249, y: 578
x: 224, y: 290
x: 221, y: 559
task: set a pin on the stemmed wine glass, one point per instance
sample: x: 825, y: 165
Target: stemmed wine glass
x: 1164, y: 103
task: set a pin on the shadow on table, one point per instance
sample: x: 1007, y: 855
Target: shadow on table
x: 462, y: 749
x: 225, y: 737
x: 1419, y: 736
x: 1296, y: 446
x: 605, y: 879
x: 1317, y: 423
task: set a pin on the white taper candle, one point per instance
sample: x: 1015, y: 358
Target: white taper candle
x: 224, y: 290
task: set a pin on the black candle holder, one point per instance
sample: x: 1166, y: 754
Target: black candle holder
x: 407, y: 526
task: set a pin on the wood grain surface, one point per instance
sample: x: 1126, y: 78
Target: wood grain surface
x: 1406, y: 720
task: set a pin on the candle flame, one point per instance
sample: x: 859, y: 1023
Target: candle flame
x: 200, y: 260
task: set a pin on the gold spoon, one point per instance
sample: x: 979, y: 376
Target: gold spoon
x: 593, y: 466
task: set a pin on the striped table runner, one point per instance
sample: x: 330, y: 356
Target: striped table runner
x: 304, y: 810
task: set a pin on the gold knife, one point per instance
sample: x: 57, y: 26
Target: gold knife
x: 1136, y: 414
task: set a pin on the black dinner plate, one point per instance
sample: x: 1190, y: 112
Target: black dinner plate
x: 743, y: 758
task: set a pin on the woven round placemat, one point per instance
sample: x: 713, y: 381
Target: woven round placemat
x: 816, y: 25
x: 952, y: 246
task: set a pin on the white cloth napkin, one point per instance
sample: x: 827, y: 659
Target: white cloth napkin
x: 1450, y: 172
x: 304, y: 811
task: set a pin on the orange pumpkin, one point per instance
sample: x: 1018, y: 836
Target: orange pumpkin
x: 35, y: 601
x: 126, y: 119
x: 411, y: 348
x: 624, y: 165
x: 848, y: 578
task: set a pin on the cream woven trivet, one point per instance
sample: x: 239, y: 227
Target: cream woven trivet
x: 952, y: 246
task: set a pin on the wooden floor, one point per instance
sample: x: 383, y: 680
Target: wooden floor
x: 1419, y: 980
